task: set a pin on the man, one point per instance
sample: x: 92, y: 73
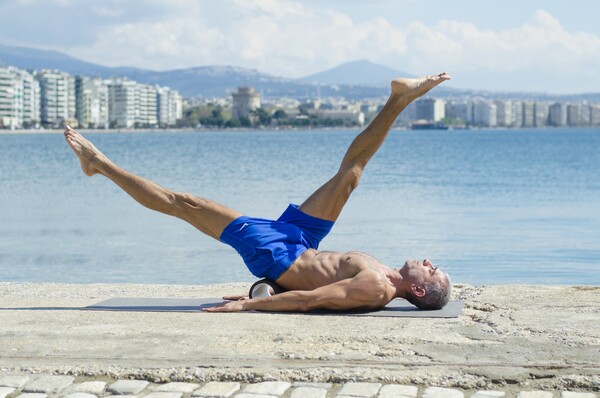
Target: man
x: 285, y: 250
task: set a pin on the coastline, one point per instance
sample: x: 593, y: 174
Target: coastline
x: 177, y: 130
x: 242, y: 129
x: 507, y: 336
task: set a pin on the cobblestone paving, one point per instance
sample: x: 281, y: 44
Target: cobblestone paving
x: 50, y: 386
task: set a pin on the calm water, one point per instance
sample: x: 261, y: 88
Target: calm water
x: 487, y: 206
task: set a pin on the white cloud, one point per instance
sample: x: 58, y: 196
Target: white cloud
x: 294, y: 38
x: 539, y: 43
x: 281, y: 37
x: 110, y: 12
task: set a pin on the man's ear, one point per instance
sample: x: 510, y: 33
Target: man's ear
x: 417, y: 290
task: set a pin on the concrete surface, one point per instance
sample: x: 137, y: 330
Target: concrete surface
x: 508, y: 338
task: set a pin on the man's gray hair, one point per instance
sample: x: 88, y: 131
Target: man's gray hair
x: 437, y: 295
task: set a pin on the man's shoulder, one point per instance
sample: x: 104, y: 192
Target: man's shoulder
x: 371, y: 285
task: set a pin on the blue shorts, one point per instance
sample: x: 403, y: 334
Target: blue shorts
x: 270, y: 247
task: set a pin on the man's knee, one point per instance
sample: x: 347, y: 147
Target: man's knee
x: 351, y: 177
x: 184, y: 203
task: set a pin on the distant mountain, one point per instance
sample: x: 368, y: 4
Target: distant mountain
x: 352, y: 80
x: 363, y: 72
x: 204, y: 81
x: 29, y: 58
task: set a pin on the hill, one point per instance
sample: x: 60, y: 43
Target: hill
x: 352, y: 80
x: 203, y: 81
x: 363, y: 72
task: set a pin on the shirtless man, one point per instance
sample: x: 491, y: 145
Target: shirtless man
x: 285, y: 250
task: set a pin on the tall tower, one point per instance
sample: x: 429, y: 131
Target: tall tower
x: 245, y: 100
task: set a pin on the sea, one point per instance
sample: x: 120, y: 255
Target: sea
x: 487, y: 206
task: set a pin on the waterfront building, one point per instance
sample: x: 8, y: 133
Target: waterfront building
x: 169, y: 105
x: 504, y: 113
x: 557, y: 114
x: 595, y: 115
x: 368, y: 108
x: 31, y: 99
x: 432, y: 109
x: 245, y: 100
x: 586, y: 113
x: 462, y: 110
x: 574, y: 116
x: 57, y: 92
x: 147, y: 106
x: 91, y: 108
x: 346, y: 115
x: 484, y: 113
x: 11, y: 98
x: 122, y: 103
x: 517, y: 114
x: 528, y: 114
x: 540, y: 118
x: 19, y: 98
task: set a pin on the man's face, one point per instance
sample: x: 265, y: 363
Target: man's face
x: 417, y: 271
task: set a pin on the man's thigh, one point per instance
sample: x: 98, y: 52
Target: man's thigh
x: 206, y: 215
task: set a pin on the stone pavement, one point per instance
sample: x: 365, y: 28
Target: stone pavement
x: 55, y: 386
x: 524, y: 341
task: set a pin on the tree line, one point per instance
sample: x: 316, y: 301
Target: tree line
x: 217, y: 116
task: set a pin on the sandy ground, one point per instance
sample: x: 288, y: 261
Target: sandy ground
x: 537, y: 336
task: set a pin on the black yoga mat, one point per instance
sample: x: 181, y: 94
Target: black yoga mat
x: 396, y: 308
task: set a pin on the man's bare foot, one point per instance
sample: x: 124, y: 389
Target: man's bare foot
x: 414, y: 88
x: 89, y: 156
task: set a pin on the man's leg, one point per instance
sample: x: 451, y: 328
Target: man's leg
x: 206, y: 215
x: 327, y: 201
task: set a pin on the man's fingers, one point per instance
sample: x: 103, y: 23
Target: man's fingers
x: 232, y: 306
x: 211, y: 309
x: 217, y: 309
x: 235, y: 298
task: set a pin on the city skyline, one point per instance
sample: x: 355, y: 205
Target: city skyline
x: 534, y: 46
x: 49, y: 97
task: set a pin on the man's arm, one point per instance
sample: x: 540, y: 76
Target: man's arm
x: 366, y: 290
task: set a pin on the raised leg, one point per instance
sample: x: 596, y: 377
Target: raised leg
x: 206, y: 215
x: 327, y: 201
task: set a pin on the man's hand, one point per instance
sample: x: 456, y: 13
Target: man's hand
x: 232, y: 306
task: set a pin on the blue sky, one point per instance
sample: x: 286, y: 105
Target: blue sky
x: 546, y: 46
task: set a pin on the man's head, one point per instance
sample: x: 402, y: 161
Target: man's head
x: 428, y: 287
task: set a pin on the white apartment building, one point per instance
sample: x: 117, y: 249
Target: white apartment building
x: 11, y: 98
x: 517, y: 114
x: 122, y: 103
x: 528, y: 114
x: 595, y: 115
x: 147, y: 109
x: 504, y: 113
x: 91, y: 108
x: 57, y: 91
x: 462, y: 110
x: 431, y: 109
x: 170, y: 106
x: 574, y: 115
x: 484, y: 113
x: 541, y: 110
x: 31, y: 99
x: 347, y: 115
x: 557, y: 114
x: 131, y: 104
x: 19, y: 98
x: 586, y: 113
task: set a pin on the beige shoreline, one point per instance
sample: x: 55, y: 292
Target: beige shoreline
x: 509, y: 335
